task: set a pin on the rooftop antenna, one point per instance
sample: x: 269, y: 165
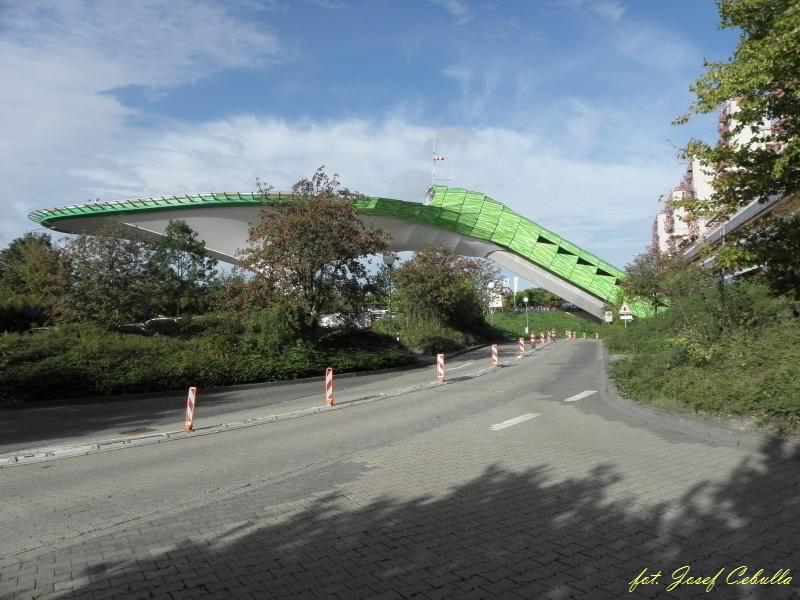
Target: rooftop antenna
x: 434, y: 160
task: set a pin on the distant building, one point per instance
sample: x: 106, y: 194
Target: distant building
x: 674, y: 231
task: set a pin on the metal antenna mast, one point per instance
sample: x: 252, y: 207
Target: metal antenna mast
x: 433, y: 162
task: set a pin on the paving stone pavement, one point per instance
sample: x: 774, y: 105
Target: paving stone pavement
x: 574, y: 503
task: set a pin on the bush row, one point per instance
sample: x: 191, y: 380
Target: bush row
x: 79, y: 361
x: 739, y: 359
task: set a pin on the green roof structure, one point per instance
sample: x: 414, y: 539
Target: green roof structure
x: 471, y: 221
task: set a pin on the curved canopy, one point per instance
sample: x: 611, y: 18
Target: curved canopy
x: 471, y: 223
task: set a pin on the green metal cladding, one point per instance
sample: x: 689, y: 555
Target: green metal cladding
x: 477, y: 215
x: 455, y: 209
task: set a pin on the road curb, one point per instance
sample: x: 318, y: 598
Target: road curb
x: 47, y: 454
x: 699, y: 428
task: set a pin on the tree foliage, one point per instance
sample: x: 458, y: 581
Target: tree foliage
x: 33, y: 280
x: 110, y: 279
x: 764, y: 76
x: 778, y: 246
x: 536, y: 297
x: 658, y: 278
x: 308, y: 250
x: 181, y: 270
x: 437, y: 286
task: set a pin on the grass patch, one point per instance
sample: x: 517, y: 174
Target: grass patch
x: 430, y: 338
x: 512, y: 325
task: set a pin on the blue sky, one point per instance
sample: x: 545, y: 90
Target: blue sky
x: 561, y: 109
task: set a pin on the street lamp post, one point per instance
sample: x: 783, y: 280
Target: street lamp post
x: 388, y: 260
x: 525, y: 300
x: 490, y: 285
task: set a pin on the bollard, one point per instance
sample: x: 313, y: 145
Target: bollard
x: 596, y: 336
x: 521, y: 346
x: 533, y: 341
x: 329, y: 399
x: 494, y: 355
x: 440, y: 367
x: 584, y: 335
x: 188, y: 425
x: 541, y: 338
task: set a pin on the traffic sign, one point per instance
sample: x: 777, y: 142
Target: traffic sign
x: 609, y: 316
x: 625, y: 309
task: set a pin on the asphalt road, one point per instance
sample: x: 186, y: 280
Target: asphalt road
x: 522, y: 483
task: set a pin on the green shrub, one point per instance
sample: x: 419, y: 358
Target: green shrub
x: 740, y: 359
x: 82, y: 360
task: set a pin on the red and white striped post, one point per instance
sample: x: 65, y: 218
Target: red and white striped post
x: 541, y: 338
x: 329, y: 399
x: 533, y: 341
x: 494, y: 355
x: 521, y: 346
x: 440, y: 367
x: 188, y: 424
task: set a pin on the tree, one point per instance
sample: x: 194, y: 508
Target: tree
x: 536, y: 297
x: 33, y: 278
x: 436, y: 286
x: 763, y: 76
x: 778, y: 246
x: 182, y: 270
x: 308, y: 250
x: 110, y: 279
x: 659, y: 278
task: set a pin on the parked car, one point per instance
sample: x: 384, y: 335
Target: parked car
x: 38, y: 330
x: 134, y: 328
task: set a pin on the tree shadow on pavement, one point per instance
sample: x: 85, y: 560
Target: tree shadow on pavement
x: 530, y: 534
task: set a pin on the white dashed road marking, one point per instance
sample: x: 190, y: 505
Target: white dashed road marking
x: 514, y: 421
x: 580, y: 396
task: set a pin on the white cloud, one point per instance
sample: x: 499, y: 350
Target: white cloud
x: 647, y: 43
x: 584, y: 200
x: 478, y: 86
x: 59, y: 60
x: 608, y: 9
x: 67, y: 140
x: 457, y: 9
x: 655, y: 47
